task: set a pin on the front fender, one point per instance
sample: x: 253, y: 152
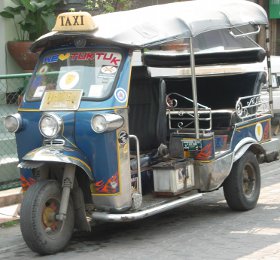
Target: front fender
x: 244, y: 145
x: 58, y: 154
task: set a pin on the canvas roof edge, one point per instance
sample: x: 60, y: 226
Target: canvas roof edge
x: 152, y: 25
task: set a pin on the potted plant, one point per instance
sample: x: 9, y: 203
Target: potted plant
x: 31, y: 18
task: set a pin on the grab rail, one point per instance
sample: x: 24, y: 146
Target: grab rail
x: 180, y: 118
x: 242, y: 34
x: 249, y: 106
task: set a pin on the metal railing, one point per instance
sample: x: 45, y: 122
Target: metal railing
x: 12, y: 86
x: 251, y: 106
x: 181, y: 117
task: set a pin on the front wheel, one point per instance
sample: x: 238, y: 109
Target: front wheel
x: 242, y: 186
x: 40, y: 229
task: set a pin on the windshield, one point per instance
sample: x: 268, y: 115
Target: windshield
x: 92, y: 71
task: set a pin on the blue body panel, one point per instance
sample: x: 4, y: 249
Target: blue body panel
x: 99, y: 151
x: 251, y: 129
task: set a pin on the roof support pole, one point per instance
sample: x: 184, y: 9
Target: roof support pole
x: 269, y: 68
x: 194, y: 90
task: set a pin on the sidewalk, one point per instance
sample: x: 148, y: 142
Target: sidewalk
x: 10, y: 204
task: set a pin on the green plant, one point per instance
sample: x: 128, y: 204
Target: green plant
x: 32, y: 18
x: 107, y: 6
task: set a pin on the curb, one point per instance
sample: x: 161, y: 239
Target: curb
x: 10, y: 197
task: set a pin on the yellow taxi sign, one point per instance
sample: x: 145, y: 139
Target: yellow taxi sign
x: 74, y: 21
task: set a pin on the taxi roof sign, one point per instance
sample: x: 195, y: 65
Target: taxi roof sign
x: 74, y: 21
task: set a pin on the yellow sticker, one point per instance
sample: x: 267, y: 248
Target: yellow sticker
x: 63, y: 57
x: 69, y: 80
x: 259, y: 132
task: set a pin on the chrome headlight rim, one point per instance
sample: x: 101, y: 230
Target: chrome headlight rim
x: 111, y: 122
x: 57, y: 119
x: 18, y: 119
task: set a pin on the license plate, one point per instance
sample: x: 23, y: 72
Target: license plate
x: 192, y: 145
x: 61, y: 100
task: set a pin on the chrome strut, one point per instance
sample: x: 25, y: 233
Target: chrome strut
x: 67, y: 185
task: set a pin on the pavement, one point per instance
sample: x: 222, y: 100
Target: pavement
x: 10, y: 205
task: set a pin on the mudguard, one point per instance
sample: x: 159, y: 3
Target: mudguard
x: 244, y: 145
x: 58, y: 154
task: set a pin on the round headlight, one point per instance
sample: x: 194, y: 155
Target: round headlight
x: 106, y: 122
x: 13, y: 122
x: 50, y: 125
x: 99, y: 124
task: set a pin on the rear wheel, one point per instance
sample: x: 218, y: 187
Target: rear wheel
x: 242, y: 186
x: 42, y: 232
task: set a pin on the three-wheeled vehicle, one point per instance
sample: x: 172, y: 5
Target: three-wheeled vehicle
x: 101, y: 137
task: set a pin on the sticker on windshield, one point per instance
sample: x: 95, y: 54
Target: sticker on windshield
x: 39, y: 92
x: 120, y: 95
x: 109, y: 69
x: 79, y: 56
x: 69, y: 80
x: 63, y: 57
x: 51, y: 59
x: 96, y: 91
x: 44, y: 69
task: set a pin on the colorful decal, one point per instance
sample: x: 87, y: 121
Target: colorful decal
x: 69, y: 80
x: 111, y: 186
x: 120, y: 95
x: 112, y: 58
x: 97, y: 56
x: 123, y: 137
x: 39, y: 91
x: 259, y: 132
x: 266, y: 132
x: 43, y: 70
x: 221, y: 142
x: 205, y: 153
x: 96, y: 91
x: 108, y: 70
x: 26, y: 182
x: 63, y: 57
x: 82, y: 56
x: 51, y: 59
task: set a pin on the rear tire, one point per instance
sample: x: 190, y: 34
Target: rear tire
x: 242, y: 186
x: 40, y: 229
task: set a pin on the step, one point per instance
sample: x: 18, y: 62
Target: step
x: 10, y: 196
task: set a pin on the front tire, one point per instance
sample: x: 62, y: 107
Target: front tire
x: 242, y: 186
x: 40, y: 229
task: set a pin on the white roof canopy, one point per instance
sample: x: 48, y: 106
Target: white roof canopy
x: 163, y: 23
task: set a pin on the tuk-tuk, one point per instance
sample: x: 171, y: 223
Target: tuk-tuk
x: 102, y: 137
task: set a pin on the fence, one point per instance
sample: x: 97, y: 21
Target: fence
x: 11, y: 87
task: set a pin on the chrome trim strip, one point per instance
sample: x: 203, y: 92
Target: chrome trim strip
x: 59, y: 142
x: 103, y: 216
x: 139, y: 182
